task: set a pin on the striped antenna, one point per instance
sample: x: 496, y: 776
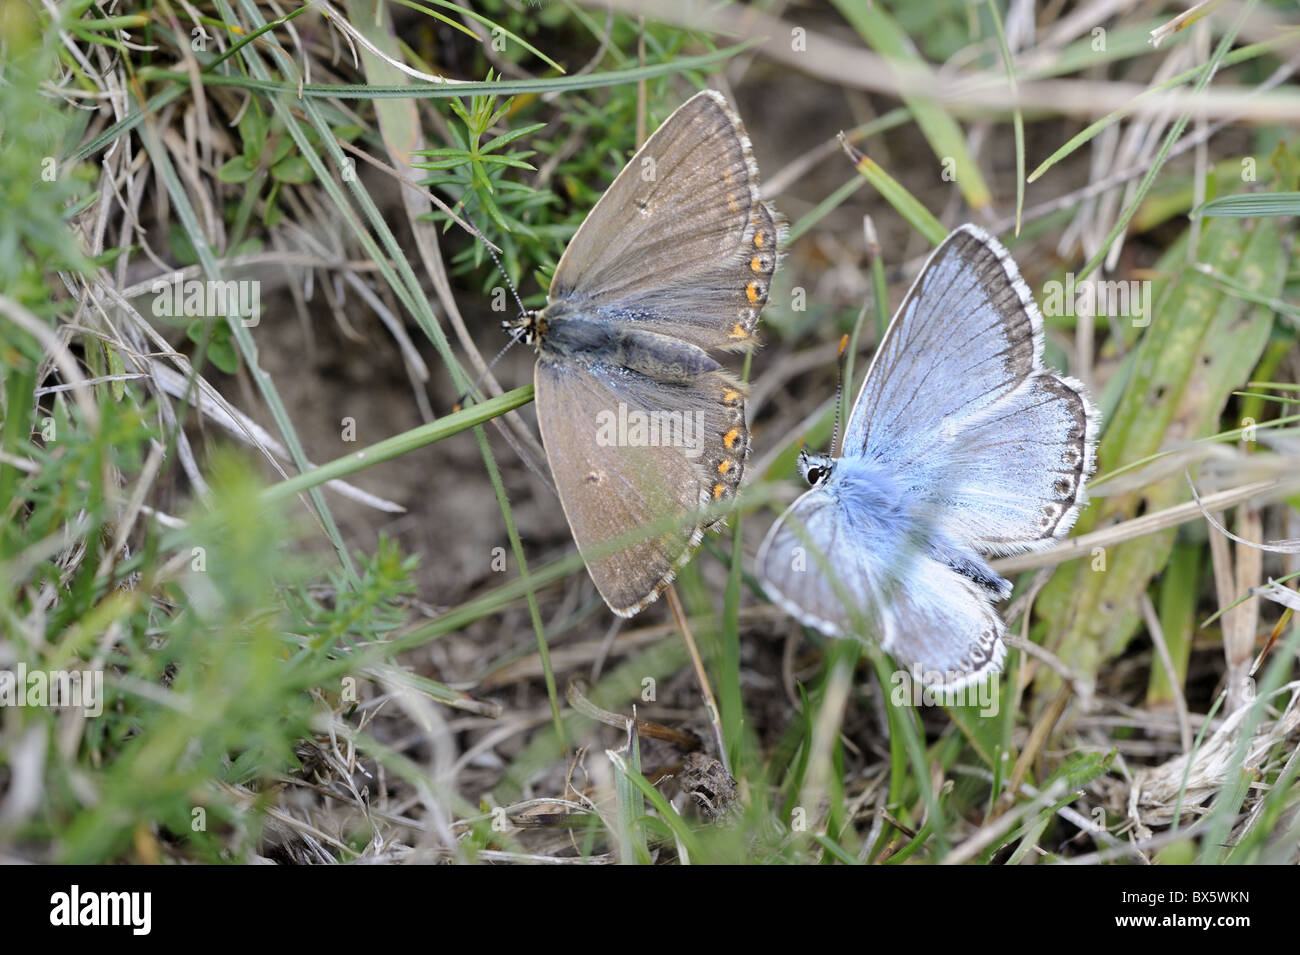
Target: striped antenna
x: 839, y: 392
x: 517, y: 328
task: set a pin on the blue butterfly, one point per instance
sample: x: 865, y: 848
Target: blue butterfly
x: 961, y: 445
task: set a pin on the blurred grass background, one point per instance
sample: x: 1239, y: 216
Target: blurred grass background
x: 316, y: 655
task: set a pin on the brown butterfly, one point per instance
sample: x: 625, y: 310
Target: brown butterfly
x: 641, y: 424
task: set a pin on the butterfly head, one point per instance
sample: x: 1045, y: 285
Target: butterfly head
x: 815, y: 468
x: 529, y: 327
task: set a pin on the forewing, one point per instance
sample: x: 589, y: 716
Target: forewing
x: 814, y: 567
x: 966, y: 334
x: 680, y: 241
x: 957, y: 401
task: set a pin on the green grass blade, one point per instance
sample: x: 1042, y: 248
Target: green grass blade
x: 880, y: 32
x: 1252, y: 206
x: 897, y: 195
x: 1242, y: 55
x: 403, y: 443
x: 1175, y: 133
x: 1017, y: 116
x: 505, y: 87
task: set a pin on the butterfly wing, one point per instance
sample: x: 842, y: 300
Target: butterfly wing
x: 614, y: 483
x: 958, y: 402
x: 944, y: 628
x: 1016, y: 472
x: 680, y: 243
x: 817, y: 569
x: 676, y: 258
x: 818, y: 565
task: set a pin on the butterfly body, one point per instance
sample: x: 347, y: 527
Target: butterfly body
x: 872, y: 498
x: 606, y: 345
x: 961, y: 445
x: 894, y: 520
x: 642, y: 425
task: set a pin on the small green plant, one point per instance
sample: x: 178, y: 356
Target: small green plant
x: 473, y: 171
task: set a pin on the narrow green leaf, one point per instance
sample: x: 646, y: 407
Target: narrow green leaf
x: 1017, y: 116
x: 402, y: 443
x: 445, y: 90
x: 896, y: 194
x: 1251, y: 206
x: 880, y: 32
x: 1241, y: 55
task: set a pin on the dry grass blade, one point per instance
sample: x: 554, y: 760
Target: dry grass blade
x: 1183, y: 20
x: 575, y: 694
x: 1205, y: 506
x: 1137, y: 527
x: 701, y: 674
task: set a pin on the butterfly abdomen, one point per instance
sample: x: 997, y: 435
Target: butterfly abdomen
x: 660, y: 357
x: 655, y: 356
x: 970, y: 565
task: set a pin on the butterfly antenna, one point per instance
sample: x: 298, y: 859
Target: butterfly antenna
x: 500, y: 268
x: 515, y: 334
x: 839, y: 394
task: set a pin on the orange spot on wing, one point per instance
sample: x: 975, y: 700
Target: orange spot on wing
x: 717, y: 491
x: 729, y: 439
x: 730, y: 395
x: 759, y: 240
x: 738, y: 331
x: 725, y: 466
x: 751, y: 292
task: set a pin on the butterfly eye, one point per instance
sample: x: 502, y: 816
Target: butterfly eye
x: 815, y: 475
